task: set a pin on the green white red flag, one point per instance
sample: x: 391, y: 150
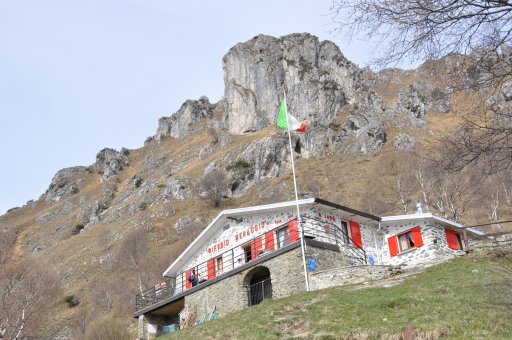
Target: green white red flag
x: 292, y: 123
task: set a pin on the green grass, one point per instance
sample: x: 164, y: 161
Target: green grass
x: 469, y: 297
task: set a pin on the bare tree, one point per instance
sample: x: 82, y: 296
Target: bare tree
x: 80, y: 321
x: 213, y: 185
x: 133, y: 258
x: 102, y: 292
x: 425, y: 29
x: 478, y: 35
x: 505, y: 179
x: 492, y: 205
x: 26, y: 292
x: 447, y: 193
x: 402, y: 185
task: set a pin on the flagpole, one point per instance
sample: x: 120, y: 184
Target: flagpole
x: 299, y: 227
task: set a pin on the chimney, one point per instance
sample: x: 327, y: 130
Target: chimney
x: 419, y: 209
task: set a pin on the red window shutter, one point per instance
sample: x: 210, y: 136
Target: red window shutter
x: 258, y: 246
x: 451, y: 237
x: 188, y: 284
x: 211, y: 269
x: 269, y: 240
x: 253, y: 249
x: 293, y: 230
x: 355, y: 233
x: 416, y: 236
x: 393, y: 245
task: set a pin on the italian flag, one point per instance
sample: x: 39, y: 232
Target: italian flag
x: 293, y: 124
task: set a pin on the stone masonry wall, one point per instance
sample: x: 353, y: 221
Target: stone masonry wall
x: 325, y: 258
x: 231, y: 294
x: 502, y: 241
x: 435, y: 245
x: 349, y: 275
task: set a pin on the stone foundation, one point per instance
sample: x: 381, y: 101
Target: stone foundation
x: 231, y: 294
x: 350, y: 275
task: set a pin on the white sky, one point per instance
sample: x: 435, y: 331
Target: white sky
x: 78, y: 76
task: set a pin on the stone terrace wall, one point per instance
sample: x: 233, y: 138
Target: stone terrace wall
x: 502, y: 241
x: 325, y: 258
x: 350, y: 275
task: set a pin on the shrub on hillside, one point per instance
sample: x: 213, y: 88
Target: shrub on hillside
x: 71, y: 300
x: 138, y: 182
x: 78, y: 228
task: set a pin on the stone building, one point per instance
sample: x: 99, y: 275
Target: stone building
x: 249, y: 254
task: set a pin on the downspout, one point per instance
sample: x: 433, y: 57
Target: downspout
x: 377, y: 249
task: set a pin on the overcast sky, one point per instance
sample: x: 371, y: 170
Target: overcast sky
x: 79, y: 76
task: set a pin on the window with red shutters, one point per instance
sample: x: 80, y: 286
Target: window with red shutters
x: 355, y: 232
x: 453, y: 241
x: 409, y: 239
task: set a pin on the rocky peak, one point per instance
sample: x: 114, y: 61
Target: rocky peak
x: 317, y: 78
x: 186, y: 120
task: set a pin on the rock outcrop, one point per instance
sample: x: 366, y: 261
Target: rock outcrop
x: 186, y: 120
x: 66, y: 182
x: 109, y: 162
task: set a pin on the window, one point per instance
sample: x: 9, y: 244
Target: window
x: 459, y: 242
x: 409, y: 239
x: 219, y: 265
x: 344, y: 234
x: 247, y: 253
x: 283, y: 237
x: 406, y: 241
x: 454, y: 240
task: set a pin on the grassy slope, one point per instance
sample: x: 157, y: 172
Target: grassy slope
x: 469, y: 297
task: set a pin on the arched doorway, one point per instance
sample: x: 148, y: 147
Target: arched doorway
x: 259, y: 285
